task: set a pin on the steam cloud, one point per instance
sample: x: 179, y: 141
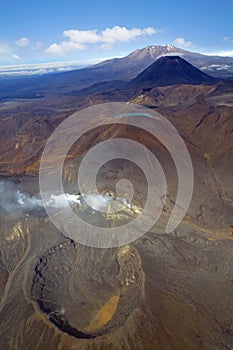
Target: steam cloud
x: 13, y: 201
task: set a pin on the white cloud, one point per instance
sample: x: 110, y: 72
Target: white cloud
x: 182, y: 42
x: 22, y: 42
x: 64, y: 47
x: 16, y: 57
x: 82, y: 36
x: 223, y: 53
x: 78, y: 39
x: 110, y: 36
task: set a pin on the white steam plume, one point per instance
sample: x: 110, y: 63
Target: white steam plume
x: 14, y: 201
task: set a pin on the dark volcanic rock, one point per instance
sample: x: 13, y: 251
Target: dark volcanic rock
x: 171, y: 70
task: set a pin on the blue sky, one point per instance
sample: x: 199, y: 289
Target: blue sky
x: 48, y: 31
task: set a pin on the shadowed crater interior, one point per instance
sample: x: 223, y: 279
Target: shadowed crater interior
x: 87, y: 292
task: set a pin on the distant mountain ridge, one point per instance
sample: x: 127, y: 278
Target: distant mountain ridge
x: 119, y: 69
x: 140, y: 59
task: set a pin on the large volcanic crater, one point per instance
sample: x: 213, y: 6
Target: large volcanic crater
x: 87, y: 292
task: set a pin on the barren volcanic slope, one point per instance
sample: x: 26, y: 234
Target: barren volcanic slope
x: 171, y: 70
x: 164, y: 291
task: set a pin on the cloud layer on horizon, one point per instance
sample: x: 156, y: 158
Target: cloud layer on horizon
x: 50, y: 67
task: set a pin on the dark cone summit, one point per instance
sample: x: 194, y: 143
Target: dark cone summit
x: 171, y: 70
